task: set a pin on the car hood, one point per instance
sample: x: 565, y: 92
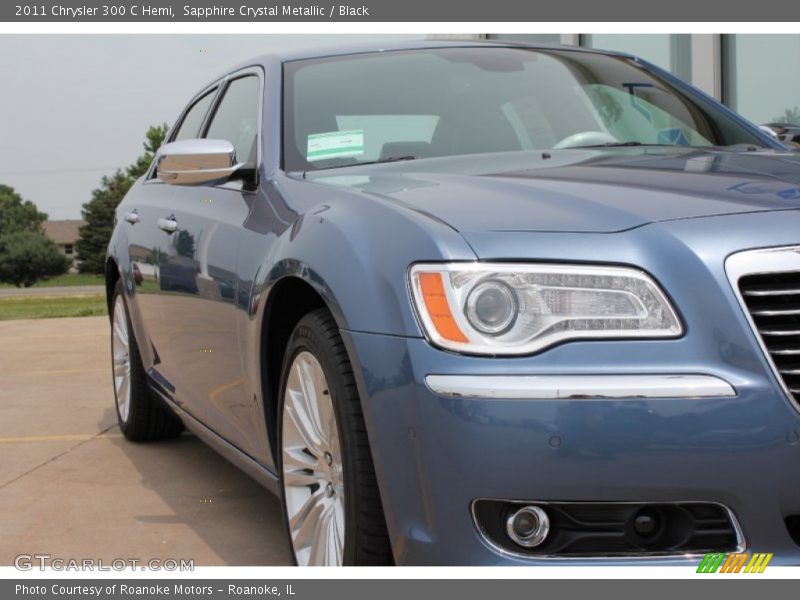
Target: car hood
x: 598, y: 190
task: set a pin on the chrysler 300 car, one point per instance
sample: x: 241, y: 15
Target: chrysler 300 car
x: 464, y: 303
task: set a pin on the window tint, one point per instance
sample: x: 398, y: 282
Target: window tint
x: 672, y: 52
x: 649, y: 115
x: 236, y: 117
x: 352, y: 109
x: 190, y: 126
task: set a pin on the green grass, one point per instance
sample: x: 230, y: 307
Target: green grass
x: 52, y: 307
x: 71, y: 279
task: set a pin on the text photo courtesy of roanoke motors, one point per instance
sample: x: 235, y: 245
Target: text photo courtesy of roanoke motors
x: 317, y: 289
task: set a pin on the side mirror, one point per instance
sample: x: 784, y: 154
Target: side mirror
x: 786, y: 133
x: 194, y: 162
x: 770, y: 131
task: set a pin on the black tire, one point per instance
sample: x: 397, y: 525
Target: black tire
x: 149, y: 419
x: 366, y: 537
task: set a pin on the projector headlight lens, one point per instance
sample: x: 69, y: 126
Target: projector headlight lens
x: 491, y: 307
x: 520, y: 309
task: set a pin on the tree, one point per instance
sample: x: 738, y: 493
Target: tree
x: 155, y: 256
x: 154, y: 138
x: 98, y: 212
x: 790, y: 115
x: 17, y: 214
x: 28, y: 256
x: 93, y: 237
x: 184, y: 244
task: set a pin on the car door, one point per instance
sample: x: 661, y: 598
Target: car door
x: 149, y: 245
x: 198, y: 281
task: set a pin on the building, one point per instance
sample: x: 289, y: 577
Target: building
x: 65, y: 235
x: 751, y: 73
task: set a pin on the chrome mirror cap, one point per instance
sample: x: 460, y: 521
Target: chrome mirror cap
x: 195, y: 162
x: 770, y: 131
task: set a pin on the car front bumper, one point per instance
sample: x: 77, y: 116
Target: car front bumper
x: 437, y: 453
x: 569, y: 425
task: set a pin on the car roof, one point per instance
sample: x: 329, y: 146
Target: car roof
x: 399, y: 45
x: 361, y: 48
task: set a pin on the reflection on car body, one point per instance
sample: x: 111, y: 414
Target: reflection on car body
x: 464, y: 303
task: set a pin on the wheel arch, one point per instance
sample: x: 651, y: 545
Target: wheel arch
x: 348, y: 252
x: 289, y: 300
x: 112, y: 275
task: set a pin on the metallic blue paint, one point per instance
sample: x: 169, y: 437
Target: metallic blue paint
x: 742, y: 452
x: 351, y: 234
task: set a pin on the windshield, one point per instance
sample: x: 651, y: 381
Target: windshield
x: 362, y: 108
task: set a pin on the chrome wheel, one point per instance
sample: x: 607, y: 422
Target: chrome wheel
x: 313, y: 480
x: 120, y: 352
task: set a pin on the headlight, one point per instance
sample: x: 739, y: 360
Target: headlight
x: 492, y: 307
x: 485, y: 308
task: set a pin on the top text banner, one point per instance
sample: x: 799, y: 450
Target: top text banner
x: 398, y: 11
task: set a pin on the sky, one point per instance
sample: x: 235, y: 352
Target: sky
x: 76, y: 107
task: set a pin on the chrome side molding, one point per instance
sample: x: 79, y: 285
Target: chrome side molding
x: 579, y: 387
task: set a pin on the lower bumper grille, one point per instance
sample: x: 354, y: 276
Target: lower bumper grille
x: 609, y: 529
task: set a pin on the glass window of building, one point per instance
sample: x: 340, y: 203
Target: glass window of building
x: 669, y: 51
x: 759, y: 81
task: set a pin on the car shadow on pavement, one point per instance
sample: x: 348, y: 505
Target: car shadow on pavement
x: 203, y: 502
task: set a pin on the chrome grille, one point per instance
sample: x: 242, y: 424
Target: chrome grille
x: 767, y: 283
x: 773, y: 300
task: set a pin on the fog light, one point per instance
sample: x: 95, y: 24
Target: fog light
x: 647, y: 523
x: 528, y: 526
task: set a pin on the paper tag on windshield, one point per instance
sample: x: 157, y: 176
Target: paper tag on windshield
x: 335, y: 144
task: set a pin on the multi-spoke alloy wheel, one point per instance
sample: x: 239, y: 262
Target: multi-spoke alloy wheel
x: 120, y: 349
x: 331, y: 502
x: 312, y: 466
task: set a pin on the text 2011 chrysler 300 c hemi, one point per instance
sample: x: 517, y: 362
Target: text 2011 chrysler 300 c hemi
x: 464, y: 303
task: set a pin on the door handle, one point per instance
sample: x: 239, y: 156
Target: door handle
x: 132, y: 217
x: 170, y: 225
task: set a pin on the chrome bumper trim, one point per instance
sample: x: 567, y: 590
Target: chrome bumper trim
x: 579, y: 387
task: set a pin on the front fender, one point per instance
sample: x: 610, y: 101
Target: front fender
x: 355, y: 251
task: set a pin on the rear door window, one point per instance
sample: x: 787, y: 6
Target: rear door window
x: 193, y: 120
x: 236, y: 117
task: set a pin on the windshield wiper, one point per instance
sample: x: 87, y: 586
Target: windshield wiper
x: 388, y: 159
x: 621, y: 145
x: 739, y: 147
x: 744, y: 147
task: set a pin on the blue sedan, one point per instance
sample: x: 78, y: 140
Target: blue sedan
x: 472, y: 303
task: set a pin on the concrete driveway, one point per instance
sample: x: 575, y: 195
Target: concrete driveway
x: 72, y: 487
